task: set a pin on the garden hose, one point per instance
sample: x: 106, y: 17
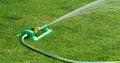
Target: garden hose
x: 55, y: 56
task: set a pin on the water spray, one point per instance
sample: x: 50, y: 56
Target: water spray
x: 45, y: 30
x: 32, y: 32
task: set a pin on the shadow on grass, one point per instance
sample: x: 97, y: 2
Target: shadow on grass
x: 11, y: 17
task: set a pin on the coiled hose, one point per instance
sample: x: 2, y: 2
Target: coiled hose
x: 53, y: 55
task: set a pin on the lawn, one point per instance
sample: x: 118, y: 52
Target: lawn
x: 87, y: 37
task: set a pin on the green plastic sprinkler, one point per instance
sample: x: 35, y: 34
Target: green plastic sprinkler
x: 31, y: 33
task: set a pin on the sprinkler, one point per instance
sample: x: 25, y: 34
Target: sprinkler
x: 31, y: 33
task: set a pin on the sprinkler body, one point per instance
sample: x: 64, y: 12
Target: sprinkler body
x: 31, y: 33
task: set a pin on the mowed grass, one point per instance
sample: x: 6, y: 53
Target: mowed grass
x: 87, y: 37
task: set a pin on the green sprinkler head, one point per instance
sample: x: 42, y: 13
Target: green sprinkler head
x: 32, y: 33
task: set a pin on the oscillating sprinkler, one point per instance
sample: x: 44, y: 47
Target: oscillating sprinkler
x: 32, y: 33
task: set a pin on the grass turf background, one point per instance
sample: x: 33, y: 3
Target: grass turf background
x: 88, y: 37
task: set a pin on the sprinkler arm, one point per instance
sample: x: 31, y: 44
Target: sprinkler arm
x: 47, y: 31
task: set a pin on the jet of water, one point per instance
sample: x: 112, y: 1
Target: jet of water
x: 75, y: 12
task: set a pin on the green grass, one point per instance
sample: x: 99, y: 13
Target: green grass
x: 87, y: 37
